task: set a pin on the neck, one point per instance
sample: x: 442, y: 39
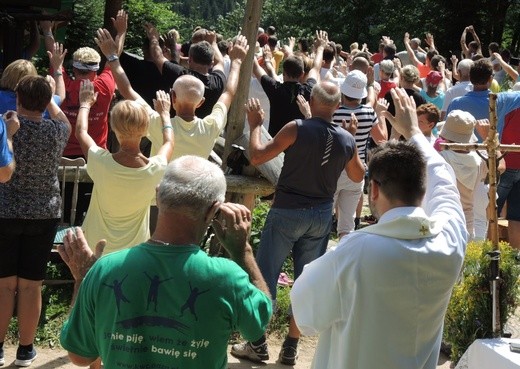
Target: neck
x: 185, y: 111
x: 177, y: 229
x: 199, y: 68
x: 351, y: 103
x: 130, y: 146
x: 32, y: 115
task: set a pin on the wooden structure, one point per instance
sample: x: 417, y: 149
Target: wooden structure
x: 15, y: 15
x: 491, y: 145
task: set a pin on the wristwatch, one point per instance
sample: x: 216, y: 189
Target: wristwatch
x: 112, y: 57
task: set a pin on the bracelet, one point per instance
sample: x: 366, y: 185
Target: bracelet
x: 154, y: 42
x: 48, y: 34
x: 84, y: 107
x: 57, y: 73
x: 167, y: 127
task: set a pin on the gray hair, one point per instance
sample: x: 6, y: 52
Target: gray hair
x: 465, y: 65
x: 191, y: 185
x: 326, y: 93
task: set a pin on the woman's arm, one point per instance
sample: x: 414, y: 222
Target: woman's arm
x: 162, y: 106
x: 87, y: 98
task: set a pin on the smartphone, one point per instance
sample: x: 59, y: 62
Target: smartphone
x: 515, y: 347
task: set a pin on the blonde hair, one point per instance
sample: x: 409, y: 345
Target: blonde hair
x: 129, y: 119
x: 354, y: 46
x: 86, y: 55
x: 15, y: 71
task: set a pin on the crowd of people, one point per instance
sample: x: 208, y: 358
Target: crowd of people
x: 351, y: 125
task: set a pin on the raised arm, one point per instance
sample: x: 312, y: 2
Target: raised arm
x: 34, y: 44
x: 476, y: 39
x: 56, y: 57
x: 54, y: 110
x: 108, y: 47
x: 237, y: 54
x: 409, y: 50
x: 268, y: 60
x: 430, y: 41
x: 218, y: 59
x: 511, y: 72
x: 320, y: 43
x: 463, y: 45
x: 161, y: 105
x: 46, y: 27
x: 261, y: 152
x: 121, y: 25
x: 258, y: 71
x: 155, y: 49
x: 87, y: 98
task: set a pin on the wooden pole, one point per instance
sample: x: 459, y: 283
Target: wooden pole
x: 237, y: 114
x: 492, y: 143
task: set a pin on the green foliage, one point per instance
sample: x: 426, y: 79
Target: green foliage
x: 279, y: 323
x: 88, y: 17
x: 469, y: 314
x: 259, y: 214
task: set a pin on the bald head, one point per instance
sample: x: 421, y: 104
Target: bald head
x: 188, y: 88
x: 326, y: 94
x: 360, y: 63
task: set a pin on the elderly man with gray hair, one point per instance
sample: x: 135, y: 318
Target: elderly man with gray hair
x: 460, y: 88
x: 165, y: 302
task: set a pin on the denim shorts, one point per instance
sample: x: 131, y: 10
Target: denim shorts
x: 305, y: 232
x: 509, y: 190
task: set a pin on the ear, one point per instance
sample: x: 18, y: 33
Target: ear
x: 374, y: 190
x: 210, y: 214
x: 200, y: 103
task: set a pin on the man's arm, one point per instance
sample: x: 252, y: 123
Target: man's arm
x: 463, y: 45
x: 121, y: 26
x: 476, y: 39
x: 46, y: 27
x: 320, y: 43
x: 155, y: 49
x: 237, y: 54
x: 218, y: 59
x: 262, y: 152
x: 409, y: 49
x: 234, y: 236
x: 108, y: 47
x: 511, y: 72
x: 258, y: 71
x: 268, y: 60
x: 34, y: 44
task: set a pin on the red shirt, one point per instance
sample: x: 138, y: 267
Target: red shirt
x: 511, y: 136
x: 377, y: 57
x: 105, y: 86
x: 385, y: 87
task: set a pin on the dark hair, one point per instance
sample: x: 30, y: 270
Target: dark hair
x: 434, y: 62
x: 481, y: 72
x: 185, y: 48
x: 33, y: 93
x: 399, y: 168
x: 223, y: 46
x: 272, y: 41
x: 430, y: 54
x: 271, y: 30
x: 390, y: 50
x: 304, y: 44
x: 473, y: 46
x: 293, y: 67
x: 202, y: 53
x: 494, y: 47
x: 329, y: 53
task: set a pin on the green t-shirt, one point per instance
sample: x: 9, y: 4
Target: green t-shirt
x: 154, y: 307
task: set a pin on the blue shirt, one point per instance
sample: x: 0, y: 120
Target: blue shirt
x: 474, y: 102
x: 8, y: 102
x: 5, y: 155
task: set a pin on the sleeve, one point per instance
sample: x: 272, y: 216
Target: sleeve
x: 78, y: 333
x: 104, y: 83
x: 155, y: 129
x: 216, y: 121
x: 442, y: 198
x: 172, y: 71
x: 316, y: 296
x: 5, y: 155
x: 269, y: 85
x: 253, y: 308
x: 95, y: 154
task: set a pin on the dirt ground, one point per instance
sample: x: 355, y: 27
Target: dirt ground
x: 57, y: 358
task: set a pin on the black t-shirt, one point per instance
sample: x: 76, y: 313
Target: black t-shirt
x: 144, y: 76
x: 214, y: 83
x: 282, y: 98
x: 419, y: 100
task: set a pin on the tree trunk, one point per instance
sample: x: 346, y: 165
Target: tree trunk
x: 236, y: 117
x: 111, y: 9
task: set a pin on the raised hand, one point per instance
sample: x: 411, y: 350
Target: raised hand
x: 120, y: 22
x: 161, y: 103
x: 56, y: 56
x: 304, y: 106
x: 87, y: 96
x: 405, y: 120
x: 350, y: 127
x: 12, y: 123
x: 321, y: 39
x: 105, y: 42
x: 255, y: 113
x: 232, y: 228
x: 239, y: 48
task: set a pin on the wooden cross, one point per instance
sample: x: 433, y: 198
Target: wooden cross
x: 491, y: 145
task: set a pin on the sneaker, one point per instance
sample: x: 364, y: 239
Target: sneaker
x: 24, y: 357
x: 2, y: 360
x: 247, y: 351
x: 288, y: 355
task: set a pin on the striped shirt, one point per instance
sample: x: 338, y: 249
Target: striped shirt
x: 366, y: 117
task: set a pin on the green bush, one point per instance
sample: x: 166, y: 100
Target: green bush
x: 469, y: 314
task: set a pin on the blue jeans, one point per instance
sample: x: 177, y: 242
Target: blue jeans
x: 509, y: 189
x: 305, y: 232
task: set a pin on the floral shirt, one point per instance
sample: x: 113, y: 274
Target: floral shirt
x: 33, y: 191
